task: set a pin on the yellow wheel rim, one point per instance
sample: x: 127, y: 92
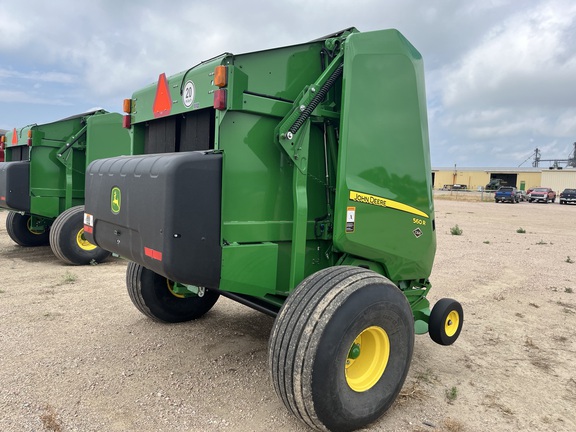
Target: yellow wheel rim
x: 170, y: 285
x: 83, y: 243
x: 367, y: 359
x: 29, y: 226
x: 452, y: 323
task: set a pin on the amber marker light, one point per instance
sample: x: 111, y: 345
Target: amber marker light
x: 127, y: 106
x: 220, y: 76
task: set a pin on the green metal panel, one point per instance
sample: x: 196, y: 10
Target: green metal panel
x: 201, y: 78
x: 249, y: 269
x: 279, y: 73
x: 56, y: 173
x: 106, y: 137
x: 59, y: 153
x: 384, y: 156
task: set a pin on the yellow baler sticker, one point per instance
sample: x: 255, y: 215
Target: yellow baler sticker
x: 360, y: 197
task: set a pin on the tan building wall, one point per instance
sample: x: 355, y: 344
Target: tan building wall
x: 559, y: 180
x: 476, y: 179
x: 472, y: 179
x: 530, y: 179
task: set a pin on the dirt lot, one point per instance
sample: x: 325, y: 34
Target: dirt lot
x: 77, y: 356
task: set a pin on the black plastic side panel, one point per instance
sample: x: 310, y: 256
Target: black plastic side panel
x: 193, y: 131
x: 15, y: 185
x: 19, y: 153
x: 169, y: 212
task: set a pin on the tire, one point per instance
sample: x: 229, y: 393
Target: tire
x: 68, y: 242
x: 314, y: 355
x: 152, y: 295
x: 18, y: 228
x: 446, y: 320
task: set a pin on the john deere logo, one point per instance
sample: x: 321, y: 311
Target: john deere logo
x: 115, y: 200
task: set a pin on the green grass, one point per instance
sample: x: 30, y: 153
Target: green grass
x: 456, y: 230
x: 69, y: 278
x: 452, y: 394
x: 521, y: 230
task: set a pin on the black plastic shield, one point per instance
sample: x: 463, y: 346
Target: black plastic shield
x: 161, y: 211
x: 15, y: 185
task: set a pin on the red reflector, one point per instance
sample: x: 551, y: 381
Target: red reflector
x: 153, y: 254
x: 126, y: 121
x: 162, y: 101
x: 2, y: 198
x: 220, y: 99
x: 88, y: 229
x: 14, y: 136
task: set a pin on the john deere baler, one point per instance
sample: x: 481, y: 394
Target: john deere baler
x: 42, y: 180
x: 295, y: 181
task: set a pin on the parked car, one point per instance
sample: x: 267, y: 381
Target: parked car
x: 543, y: 194
x: 506, y: 194
x: 568, y: 196
x: 521, y: 195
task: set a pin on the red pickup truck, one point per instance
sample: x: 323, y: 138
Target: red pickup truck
x: 543, y: 194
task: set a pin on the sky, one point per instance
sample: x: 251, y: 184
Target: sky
x: 500, y: 74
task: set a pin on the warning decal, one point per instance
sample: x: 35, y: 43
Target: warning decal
x: 384, y: 202
x: 350, y: 219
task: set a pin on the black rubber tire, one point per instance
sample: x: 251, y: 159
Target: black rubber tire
x: 17, y: 228
x: 313, y: 334
x: 151, y: 295
x: 64, y: 239
x: 438, y: 321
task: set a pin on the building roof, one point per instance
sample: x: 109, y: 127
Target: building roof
x: 507, y: 170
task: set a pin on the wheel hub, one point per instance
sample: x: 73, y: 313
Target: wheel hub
x: 452, y: 323
x: 367, y: 359
x: 83, y: 243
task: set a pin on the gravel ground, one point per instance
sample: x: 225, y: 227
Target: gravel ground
x: 77, y: 356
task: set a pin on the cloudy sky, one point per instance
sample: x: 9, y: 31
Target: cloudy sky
x: 500, y: 74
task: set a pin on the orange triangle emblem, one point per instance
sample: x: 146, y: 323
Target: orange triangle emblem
x: 14, y: 136
x: 162, y: 101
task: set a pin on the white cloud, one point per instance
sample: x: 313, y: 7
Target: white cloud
x: 522, y: 61
x: 500, y: 74
x: 10, y: 96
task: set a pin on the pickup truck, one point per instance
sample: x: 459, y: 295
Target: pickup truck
x: 543, y: 194
x: 506, y: 193
x: 568, y: 196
